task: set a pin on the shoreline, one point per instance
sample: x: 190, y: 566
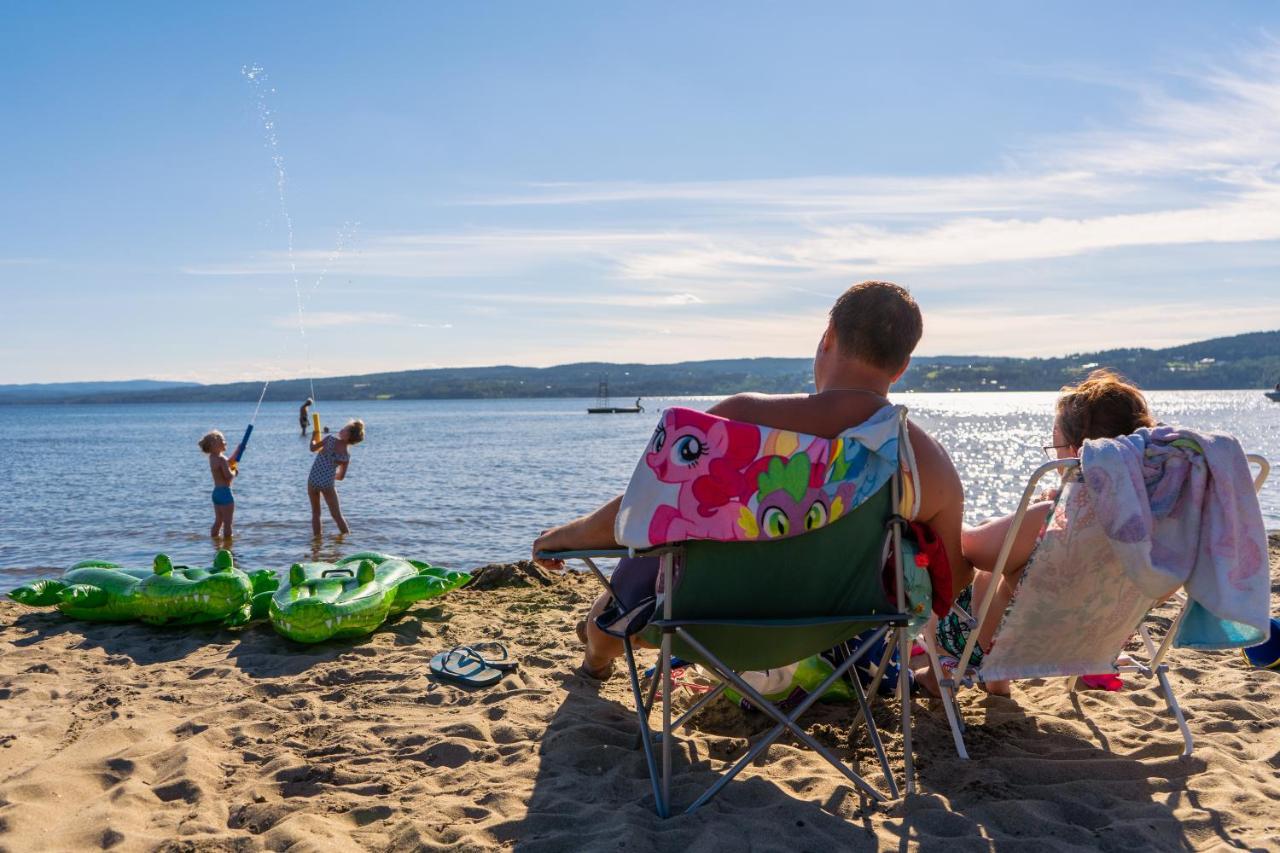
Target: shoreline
x: 126, y: 737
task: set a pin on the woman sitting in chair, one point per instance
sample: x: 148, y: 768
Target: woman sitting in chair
x: 1104, y: 405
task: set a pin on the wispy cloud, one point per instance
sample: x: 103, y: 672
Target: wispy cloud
x: 1197, y: 165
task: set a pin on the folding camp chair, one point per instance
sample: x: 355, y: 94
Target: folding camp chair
x: 1073, y: 581
x: 752, y: 605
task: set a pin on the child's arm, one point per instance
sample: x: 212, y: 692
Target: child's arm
x: 317, y: 441
x: 340, y: 471
x: 227, y: 471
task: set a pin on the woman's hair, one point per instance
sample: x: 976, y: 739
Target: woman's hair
x: 206, y: 443
x: 1104, y: 405
x: 355, y: 431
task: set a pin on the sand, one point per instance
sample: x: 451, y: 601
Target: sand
x: 125, y: 737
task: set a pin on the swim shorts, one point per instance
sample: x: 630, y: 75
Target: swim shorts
x: 222, y: 496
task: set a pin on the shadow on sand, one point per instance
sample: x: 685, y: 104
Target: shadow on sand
x: 1024, y: 782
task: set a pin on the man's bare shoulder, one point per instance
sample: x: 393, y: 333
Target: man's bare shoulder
x: 940, y: 488
x: 825, y: 415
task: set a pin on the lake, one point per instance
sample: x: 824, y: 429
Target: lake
x: 461, y: 483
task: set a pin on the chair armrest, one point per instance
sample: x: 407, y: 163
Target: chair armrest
x: 590, y: 552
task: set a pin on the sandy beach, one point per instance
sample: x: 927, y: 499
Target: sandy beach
x: 126, y: 737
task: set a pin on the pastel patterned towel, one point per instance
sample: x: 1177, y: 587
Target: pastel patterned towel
x: 706, y: 477
x: 1181, y: 509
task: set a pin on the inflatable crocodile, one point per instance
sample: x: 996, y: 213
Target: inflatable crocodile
x: 352, y: 597
x: 165, y: 594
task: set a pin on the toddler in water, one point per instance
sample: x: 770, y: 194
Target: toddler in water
x: 224, y: 502
x: 330, y: 466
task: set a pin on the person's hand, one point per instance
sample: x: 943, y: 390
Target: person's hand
x: 549, y: 540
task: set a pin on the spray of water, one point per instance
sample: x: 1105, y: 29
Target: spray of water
x: 346, y: 234
x: 253, y: 420
x: 257, y: 79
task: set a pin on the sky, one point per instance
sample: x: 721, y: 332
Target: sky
x: 254, y: 191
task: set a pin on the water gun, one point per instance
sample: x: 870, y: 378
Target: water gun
x: 315, y: 423
x: 244, y: 442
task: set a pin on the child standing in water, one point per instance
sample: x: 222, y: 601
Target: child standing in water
x: 330, y: 466
x: 224, y: 502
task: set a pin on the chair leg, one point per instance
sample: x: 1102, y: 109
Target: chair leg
x: 954, y: 718
x: 642, y: 717
x: 881, y: 669
x: 702, y: 702
x: 648, y: 702
x: 665, y: 669
x: 784, y: 722
x: 874, y: 734
x: 1162, y: 673
x: 904, y: 691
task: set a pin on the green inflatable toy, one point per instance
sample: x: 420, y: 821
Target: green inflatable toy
x: 165, y: 594
x: 792, y: 683
x: 352, y: 597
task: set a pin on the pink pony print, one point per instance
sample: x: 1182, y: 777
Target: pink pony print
x: 708, y: 456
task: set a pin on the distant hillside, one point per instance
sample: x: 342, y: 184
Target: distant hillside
x: 59, y: 391
x: 1242, y: 361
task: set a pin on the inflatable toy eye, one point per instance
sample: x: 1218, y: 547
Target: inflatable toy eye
x: 659, y: 438
x: 687, y: 450
x: 776, y: 524
x: 816, y: 516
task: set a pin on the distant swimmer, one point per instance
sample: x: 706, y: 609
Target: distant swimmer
x: 302, y: 415
x: 224, y: 502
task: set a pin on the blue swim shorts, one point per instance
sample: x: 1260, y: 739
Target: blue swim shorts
x: 222, y: 496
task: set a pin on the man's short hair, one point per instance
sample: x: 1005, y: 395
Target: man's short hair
x: 877, y: 322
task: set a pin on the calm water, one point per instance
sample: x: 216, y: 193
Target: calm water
x: 460, y: 483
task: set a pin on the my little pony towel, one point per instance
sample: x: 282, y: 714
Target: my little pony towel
x: 706, y: 477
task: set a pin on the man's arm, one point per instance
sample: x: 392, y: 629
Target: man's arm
x: 941, y: 502
x: 591, y: 531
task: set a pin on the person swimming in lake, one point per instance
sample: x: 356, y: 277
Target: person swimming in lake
x: 224, y: 502
x: 302, y: 415
x: 330, y: 465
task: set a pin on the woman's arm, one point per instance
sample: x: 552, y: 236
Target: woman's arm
x: 594, y: 530
x: 317, y: 442
x: 340, y: 471
x: 981, y: 544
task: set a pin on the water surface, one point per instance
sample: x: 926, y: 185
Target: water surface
x: 458, y: 482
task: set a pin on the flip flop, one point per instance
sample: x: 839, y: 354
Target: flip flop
x: 461, y: 665
x: 495, y: 654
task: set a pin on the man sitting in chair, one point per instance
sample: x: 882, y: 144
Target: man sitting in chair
x: 874, y: 326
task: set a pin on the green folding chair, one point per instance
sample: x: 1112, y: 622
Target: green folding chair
x: 740, y: 606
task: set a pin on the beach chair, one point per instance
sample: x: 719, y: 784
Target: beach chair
x: 738, y: 606
x: 1073, y: 613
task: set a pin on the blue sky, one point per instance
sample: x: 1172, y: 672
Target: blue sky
x: 542, y: 183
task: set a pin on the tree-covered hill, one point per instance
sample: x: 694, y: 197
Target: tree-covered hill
x: 1243, y: 361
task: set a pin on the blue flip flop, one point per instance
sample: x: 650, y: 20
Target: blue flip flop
x: 465, y: 666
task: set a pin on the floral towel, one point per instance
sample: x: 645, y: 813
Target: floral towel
x: 1181, y: 510
x: 705, y: 477
x: 1075, y: 606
